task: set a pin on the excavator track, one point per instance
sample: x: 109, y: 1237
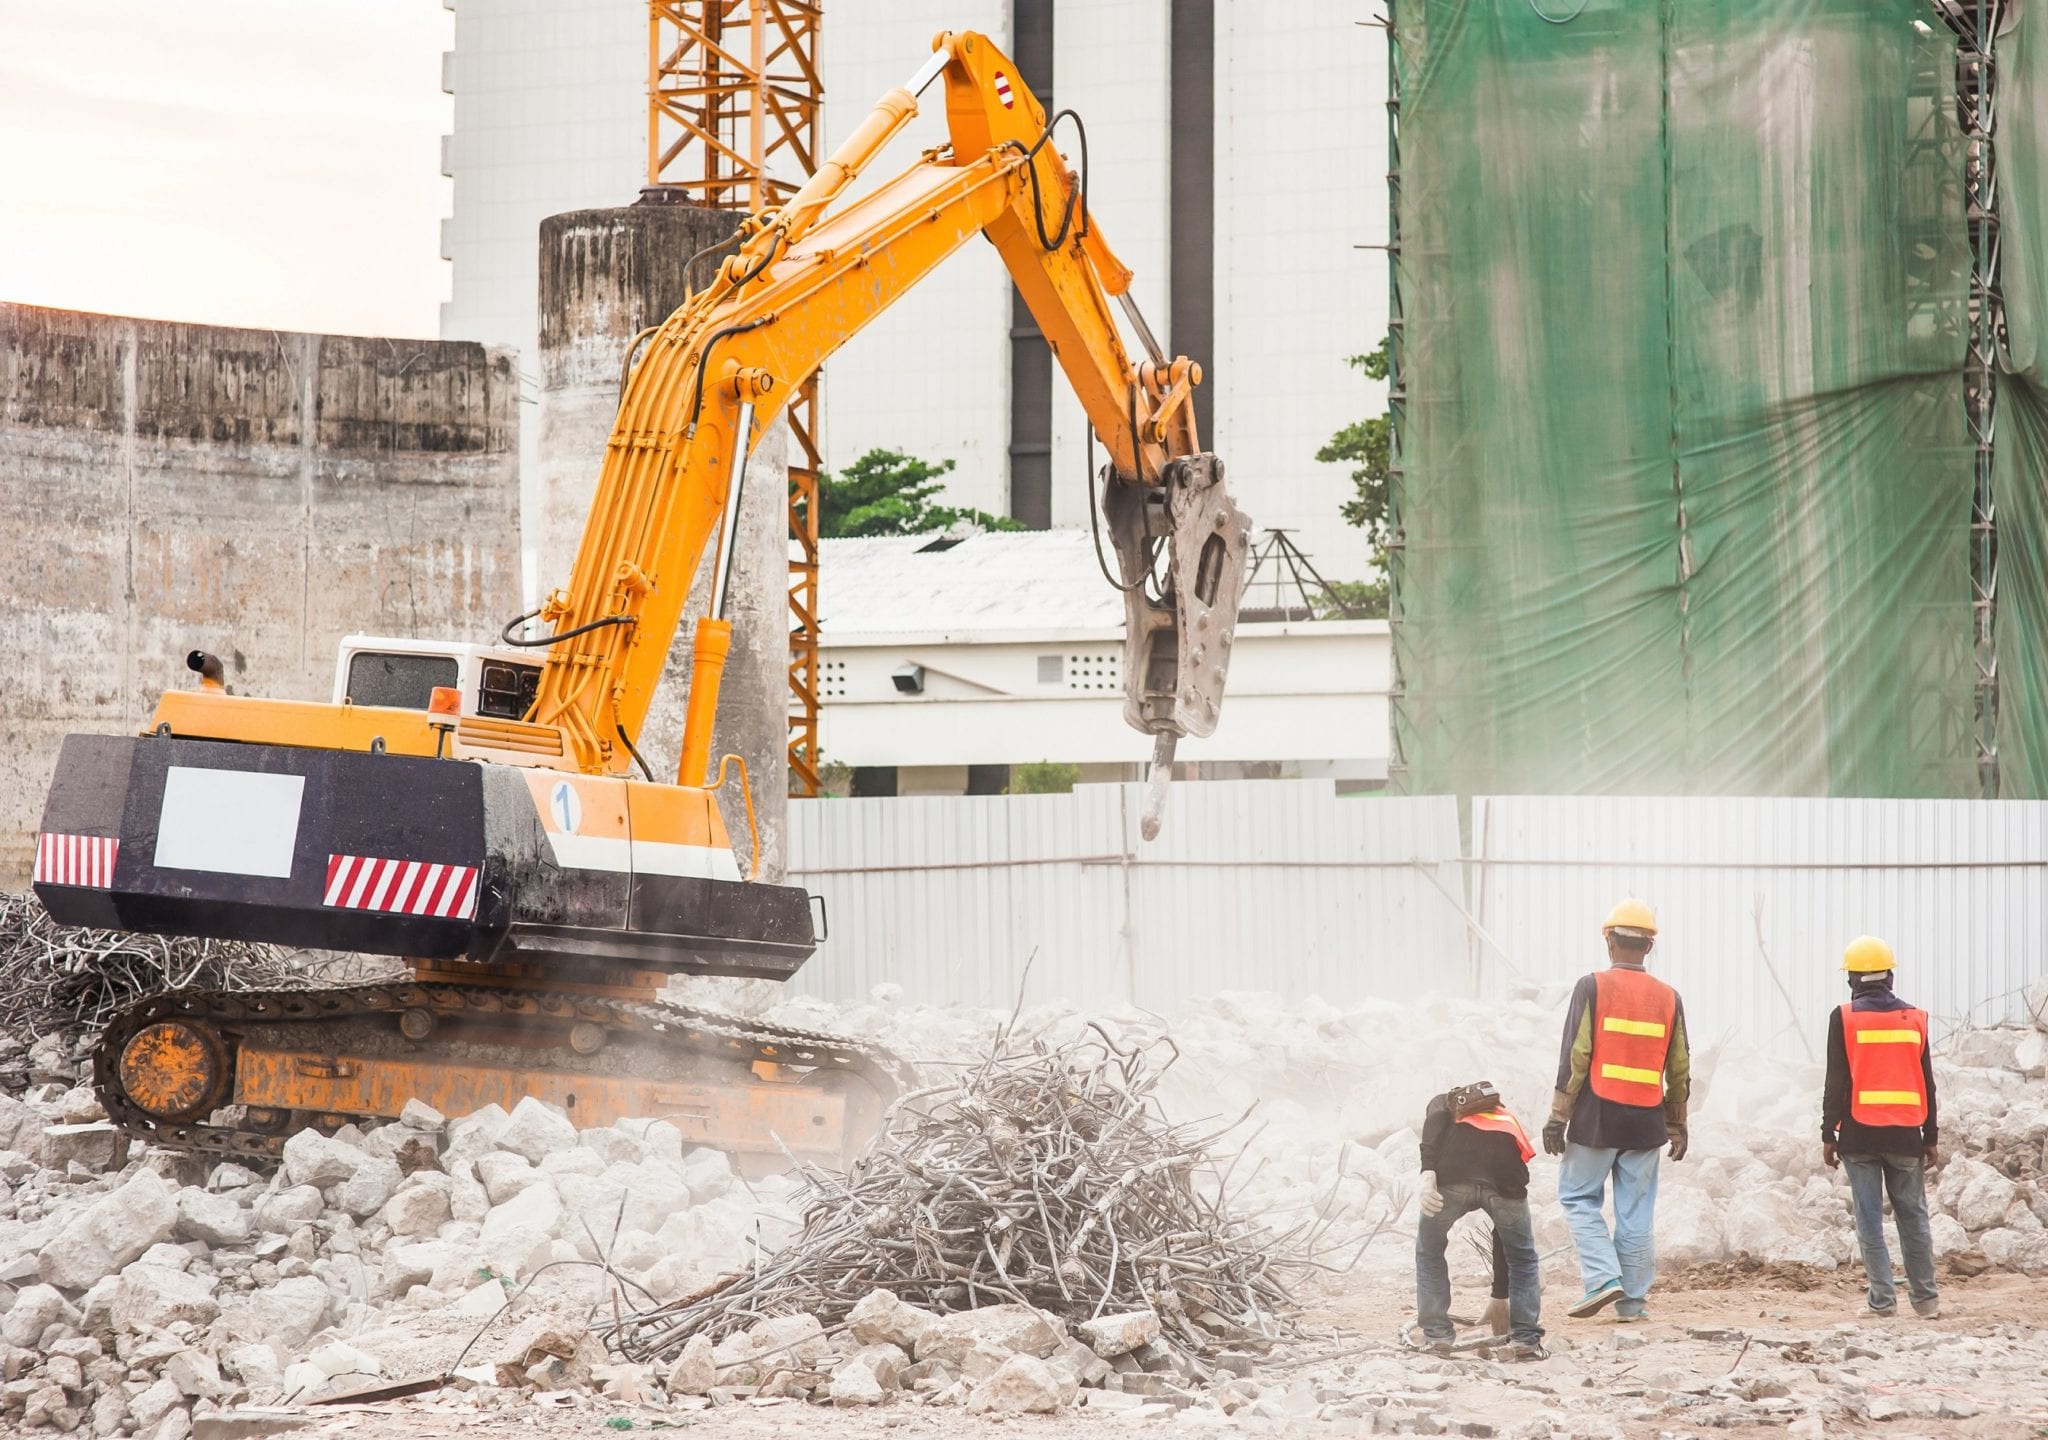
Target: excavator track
x: 640, y: 1036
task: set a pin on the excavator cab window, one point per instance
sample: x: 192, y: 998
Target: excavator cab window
x: 402, y: 682
x: 507, y: 690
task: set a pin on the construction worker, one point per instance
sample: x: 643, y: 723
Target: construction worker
x: 1623, y: 1075
x: 1475, y: 1156
x: 1877, y: 1120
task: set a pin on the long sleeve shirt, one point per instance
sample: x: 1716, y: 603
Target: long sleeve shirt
x: 1608, y: 1124
x: 1468, y: 1155
x: 1841, y: 1129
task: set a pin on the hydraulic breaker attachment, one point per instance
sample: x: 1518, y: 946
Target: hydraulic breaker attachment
x: 1182, y: 549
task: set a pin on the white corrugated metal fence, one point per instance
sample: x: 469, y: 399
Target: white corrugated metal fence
x: 1283, y: 886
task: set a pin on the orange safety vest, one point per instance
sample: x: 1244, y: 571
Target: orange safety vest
x: 1632, y: 1018
x: 1505, y: 1123
x: 1887, y: 1085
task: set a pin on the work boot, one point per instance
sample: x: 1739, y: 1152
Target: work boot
x: 1521, y: 1353
x: 1928, y: 1309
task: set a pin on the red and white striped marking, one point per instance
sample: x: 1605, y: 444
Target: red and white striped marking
x: 1003, y: 91
x: 401, y: 887
x: 82, y: 860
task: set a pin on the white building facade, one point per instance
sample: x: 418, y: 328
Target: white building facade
x: 941, y: 657
x: 1286, y: 150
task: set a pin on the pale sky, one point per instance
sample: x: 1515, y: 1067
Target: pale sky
x: 270, y: 163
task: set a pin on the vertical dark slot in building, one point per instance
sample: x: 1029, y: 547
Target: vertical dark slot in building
x: 1030, y: 357
x: 1191, y: 196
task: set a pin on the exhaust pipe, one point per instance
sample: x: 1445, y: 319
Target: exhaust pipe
x: 211, y: 675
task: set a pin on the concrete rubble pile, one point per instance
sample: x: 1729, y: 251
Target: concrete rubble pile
x: 137, y: 1291
x: 1340, y: 1094
x: 142, y: 1292
x: 1036, y: 1210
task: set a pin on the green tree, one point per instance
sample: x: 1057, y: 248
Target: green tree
x: 886, y: 492
x: 1047, y: 777
x: 1366, y: 446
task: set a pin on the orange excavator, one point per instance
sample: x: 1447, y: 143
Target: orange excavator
x: 492, y: 822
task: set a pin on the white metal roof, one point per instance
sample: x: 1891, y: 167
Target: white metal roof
x: 1012, y: 583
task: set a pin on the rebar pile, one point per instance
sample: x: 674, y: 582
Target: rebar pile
x: 57, y: 980
x: 1045, y: 1175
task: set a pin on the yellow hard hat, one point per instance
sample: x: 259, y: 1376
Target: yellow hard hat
x: 1867, y: 955
x: 1631, y: 915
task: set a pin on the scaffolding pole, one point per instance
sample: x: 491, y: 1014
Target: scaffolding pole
x: 734, y: 98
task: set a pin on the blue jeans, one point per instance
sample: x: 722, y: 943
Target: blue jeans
x: 1517, y: 1237
x: 1629, y: 1253
x: 1870, y: 1176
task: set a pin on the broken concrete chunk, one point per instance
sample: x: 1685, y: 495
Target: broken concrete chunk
x: 311, y: 1158
x: 287, y: 1210
x: 335, y: 1359
x: 534, y: 1129
x: 1010, y: 1328
x: 35, y: 1310
x: 1114, y: 1335
x: 504, y: 1174
x: 1023, y: 1385
x: 374, y: 1181
x: 854, y: 1382
x: 96, y: 1147
x: 417, y: 1209
x: 215, y: 1219
x: 292, y: 1311
x: 112, y: 1232
x: 708, y: 1174
x: 153, y: 1404
x: 880, y: 1318
x: 792, y: 1340
x: 694, y: 1372
x: 154, y: 1297
x: 419, y: 1115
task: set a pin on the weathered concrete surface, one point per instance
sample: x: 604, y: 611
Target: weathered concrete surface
x: 259, y: 494
x: 605, y: 275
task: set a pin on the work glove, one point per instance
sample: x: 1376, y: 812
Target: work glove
x: 1677, y: 1141
x: 1830, y: 1154
x: 1553, y: 1138
x: 1494, y: 1319
x: 1432, y: 1198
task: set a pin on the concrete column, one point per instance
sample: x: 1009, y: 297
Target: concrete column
x: 605, y: 275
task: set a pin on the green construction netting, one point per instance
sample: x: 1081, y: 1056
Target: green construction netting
x: 1685, y: 492
x: 2020, y: 456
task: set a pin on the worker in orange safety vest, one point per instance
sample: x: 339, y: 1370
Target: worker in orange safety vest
x: 1475, y: 1157
x: 1877, y: 1121
x: 1624, y: 1075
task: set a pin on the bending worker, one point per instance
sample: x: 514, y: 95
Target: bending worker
x: 1622, y: 1080
x: 1475, y: 1156
x: 1877, y: 1119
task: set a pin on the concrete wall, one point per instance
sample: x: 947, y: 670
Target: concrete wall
x: 167, y: 487
x: 604, y: 276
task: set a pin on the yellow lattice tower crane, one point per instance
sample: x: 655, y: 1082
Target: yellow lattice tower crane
x: 733, y: 101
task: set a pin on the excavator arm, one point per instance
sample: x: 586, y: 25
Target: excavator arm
x: 803, y: 281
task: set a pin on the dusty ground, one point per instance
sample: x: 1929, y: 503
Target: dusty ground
x: 1762, y: 1346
